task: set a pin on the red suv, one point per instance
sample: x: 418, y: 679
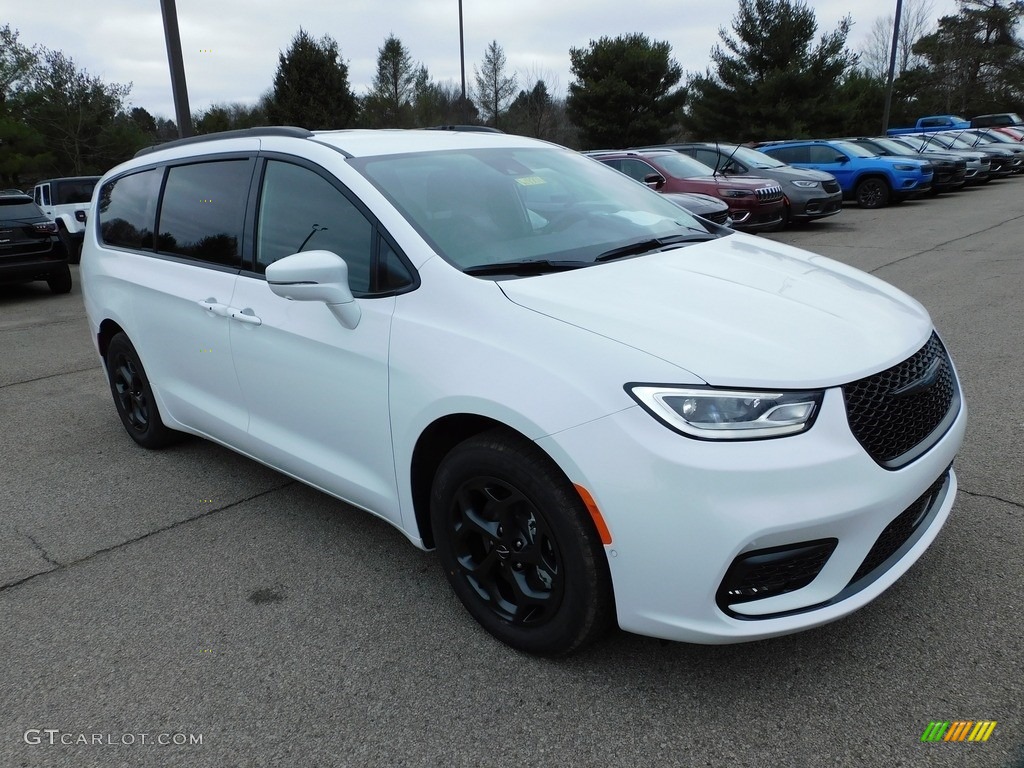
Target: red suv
x: 754, y: 203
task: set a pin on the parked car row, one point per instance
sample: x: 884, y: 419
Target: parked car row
x: 30, y: 246
x: 760, y: 193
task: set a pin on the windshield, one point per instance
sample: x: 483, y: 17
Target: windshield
x: 750, y: 157
x: 485, y: 206
x: 893, y: 146
x: 854, y: 149
x: 681, y: 166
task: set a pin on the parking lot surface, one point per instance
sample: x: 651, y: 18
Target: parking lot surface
x: 190, y: 607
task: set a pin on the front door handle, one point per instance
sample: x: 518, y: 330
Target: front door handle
x: 246, y: 316
x: 215, y: 307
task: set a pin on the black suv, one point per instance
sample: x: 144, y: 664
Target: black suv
x: 809, y: 194
x: 29, y: 246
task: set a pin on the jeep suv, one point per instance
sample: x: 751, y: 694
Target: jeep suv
x: 872, y: 181
x: 66, y: 203
x: 755, y: 203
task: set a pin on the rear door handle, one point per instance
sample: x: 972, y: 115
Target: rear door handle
x: 246, y: 316
x: 215, y: 307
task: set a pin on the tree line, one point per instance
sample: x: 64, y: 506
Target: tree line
x: 770, y: 76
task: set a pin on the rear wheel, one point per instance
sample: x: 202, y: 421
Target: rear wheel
x: 133, y: 397
x: 60, y: 281
x: 518, y: 547
x: 873, y: 192
x: 72, y: 246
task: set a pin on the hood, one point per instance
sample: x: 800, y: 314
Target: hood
x: 789, y: 173
x: 697, y: 203
x: 738, y: 311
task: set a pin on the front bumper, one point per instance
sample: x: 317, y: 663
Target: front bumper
x: 681, y: 511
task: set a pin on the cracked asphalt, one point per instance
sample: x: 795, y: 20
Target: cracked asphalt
x: 191, y: 595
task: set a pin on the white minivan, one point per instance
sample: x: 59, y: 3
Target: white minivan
x: 595, y: 406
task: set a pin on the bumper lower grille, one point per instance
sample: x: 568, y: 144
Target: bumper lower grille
x: 897, y: 414
x: 900, y: 530
x: 776, y: 571
x: 719, y: 218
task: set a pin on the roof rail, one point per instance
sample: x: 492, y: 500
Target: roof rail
x: 241, y: 133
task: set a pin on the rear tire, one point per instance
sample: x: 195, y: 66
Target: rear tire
x: 518, y: 546
x: 72, y: 246
x: 133, y: 397
x: 60, y: 281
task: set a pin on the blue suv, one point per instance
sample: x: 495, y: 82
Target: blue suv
x: 872, y: 181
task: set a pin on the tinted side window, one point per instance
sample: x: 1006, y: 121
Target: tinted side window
x: 826, y: 155
x: 203, y: 211
x: 789, y: 154
x: 78, y: 191
x: 301, y: 211
x: 637, y: 169
x: 46, y: 194
x: 127, y: 209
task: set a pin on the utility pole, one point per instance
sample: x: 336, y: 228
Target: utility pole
x: 178, y: 87
x: 892, y: 66
x: 462, y: 60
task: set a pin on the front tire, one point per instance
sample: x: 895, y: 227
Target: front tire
x: 133, y: 397
x: 518, y: 546
x: 873, y: 192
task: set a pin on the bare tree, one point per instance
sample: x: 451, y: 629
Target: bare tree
x: 916, y: 20
x: 494, y: 89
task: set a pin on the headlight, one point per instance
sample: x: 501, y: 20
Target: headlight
x: 807, y: 184
x: 905, y: 167
x: 735, y: 193
x: 722, y: 414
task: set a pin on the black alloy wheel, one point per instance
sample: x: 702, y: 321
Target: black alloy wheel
x: 873, y: 192
x: 518, y: 546
x: 133, y: 397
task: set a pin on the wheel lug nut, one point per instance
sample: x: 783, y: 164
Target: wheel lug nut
x: 517, y: 566
x: 501, y: 531
x: 519, y: 544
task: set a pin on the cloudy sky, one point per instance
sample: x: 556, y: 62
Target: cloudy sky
x: 231, y: 47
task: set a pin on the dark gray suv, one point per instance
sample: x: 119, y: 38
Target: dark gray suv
x: 809, y: 194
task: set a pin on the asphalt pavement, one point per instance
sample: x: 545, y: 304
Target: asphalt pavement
x: 192, y: 608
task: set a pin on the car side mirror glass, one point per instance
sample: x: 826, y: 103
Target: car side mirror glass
x: 842, y: 159
x: 316, y: 276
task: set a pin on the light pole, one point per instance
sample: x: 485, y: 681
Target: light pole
x: 462, y: 61
x: 892, y: 66
x: 178, y: 88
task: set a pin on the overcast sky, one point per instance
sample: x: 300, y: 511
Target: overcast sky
x: 231, y: 47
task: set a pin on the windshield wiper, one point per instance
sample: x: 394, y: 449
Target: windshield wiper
x: 532, y: 267
x: 645, y: 246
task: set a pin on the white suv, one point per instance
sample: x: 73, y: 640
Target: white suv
x: 594, y: 406
x: 66, y: 203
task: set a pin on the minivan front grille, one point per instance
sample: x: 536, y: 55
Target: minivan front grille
x: 721, y: 217
x: 831, y: 186
x: 896, y: 414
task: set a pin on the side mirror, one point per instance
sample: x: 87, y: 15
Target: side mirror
x: 316, y: 276
x: 842, y: 159
x: 654, y: 180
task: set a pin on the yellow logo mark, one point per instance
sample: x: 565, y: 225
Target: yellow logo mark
x: 205, y: 200
x: 206, y: 50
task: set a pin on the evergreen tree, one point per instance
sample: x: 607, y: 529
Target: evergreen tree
x: 389, y: 104
x: 311, y: 87
x: 625, y: 91
x: 769, y: 80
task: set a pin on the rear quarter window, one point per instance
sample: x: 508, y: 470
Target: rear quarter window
x: 127, y: 209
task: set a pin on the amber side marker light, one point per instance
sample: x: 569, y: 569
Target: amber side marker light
x: 595, y: 515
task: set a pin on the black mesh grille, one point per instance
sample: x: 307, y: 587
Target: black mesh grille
x: 899, y: 530
x: 769, y: 572
x: 831, y: 186
x: 719, y: 218
x: 892, y: 412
